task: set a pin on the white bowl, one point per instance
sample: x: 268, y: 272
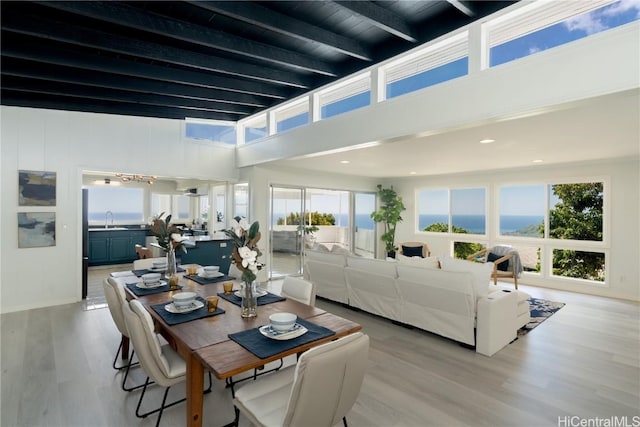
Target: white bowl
x: 159, y: 264
x: 282, y: 322
x: 183, y: 299
x: 150, y: 277
x: 211, y: 269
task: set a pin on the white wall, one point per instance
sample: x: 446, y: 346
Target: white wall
x: 68, y: 143
x: 622, y: 247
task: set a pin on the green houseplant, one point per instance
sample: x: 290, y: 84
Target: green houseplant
x: 391, y: 207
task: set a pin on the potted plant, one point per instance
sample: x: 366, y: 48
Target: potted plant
x: 391, y: 207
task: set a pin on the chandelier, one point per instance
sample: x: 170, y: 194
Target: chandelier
x: 136, y: 178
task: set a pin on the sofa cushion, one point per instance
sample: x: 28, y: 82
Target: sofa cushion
x: 374, y: 266
x: 327, y: 257
x: 337, y: 249
x: 411, y: 251
x: 503, y: 266
x: 428, y: 262
x: 481, y: 272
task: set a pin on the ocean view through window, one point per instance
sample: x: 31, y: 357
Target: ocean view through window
x: 126, y: 205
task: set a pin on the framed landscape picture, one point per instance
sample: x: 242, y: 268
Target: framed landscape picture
x: 36, y: 229
x: 36, y: 188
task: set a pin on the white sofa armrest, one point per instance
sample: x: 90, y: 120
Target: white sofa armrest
x: 496, y: 320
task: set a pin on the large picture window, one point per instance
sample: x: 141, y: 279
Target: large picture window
x: 522, y: 210
x: 575, y: 211
x: 176, y: 205
x: 460, y: 211
x: 126, y: 205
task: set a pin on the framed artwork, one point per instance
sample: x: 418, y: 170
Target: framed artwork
x: 36, y: 188
x: 36, y: 229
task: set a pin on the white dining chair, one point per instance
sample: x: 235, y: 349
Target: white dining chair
x: 160, y: 362
x: 318, y: 391
x: 299, y: 289
x: 140, y: 264
x: 115, y: 296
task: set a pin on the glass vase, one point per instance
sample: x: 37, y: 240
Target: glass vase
x: 249, y: 301
x: 171, y: 263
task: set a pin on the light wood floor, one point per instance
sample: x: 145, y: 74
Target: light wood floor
x: 584, y: 361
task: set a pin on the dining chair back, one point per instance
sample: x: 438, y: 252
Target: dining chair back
x: 318, y: 391
x: 140, y: 264
x: 235, y: 271
x: 160, y: 362
x: 115, y: 295
x: 299, y: 289
x: 143, y: 252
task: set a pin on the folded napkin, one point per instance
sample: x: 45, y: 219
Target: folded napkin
x: 206, y: 281
x: 264, y: 347
x: 141, y: 292
x: 269, y: 298
x: 176, y: 318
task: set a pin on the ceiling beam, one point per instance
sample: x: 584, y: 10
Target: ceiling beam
x: 131, y: 17
x: 19, y: 68
x: 258, y: 15
x: 381, y: 18
x: 458, y: 4
x: 31, y: 85
x: 39, y: 27
x: 229, y: 90
x: 77, y: 104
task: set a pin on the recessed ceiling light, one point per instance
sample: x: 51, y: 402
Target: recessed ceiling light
x: 487, y: 141
x: 538, y: 161
x: 345, y: 162
x: 412, y: 173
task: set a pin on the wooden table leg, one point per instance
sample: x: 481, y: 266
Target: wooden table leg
x: 125, y: 348
x: 195, y: 384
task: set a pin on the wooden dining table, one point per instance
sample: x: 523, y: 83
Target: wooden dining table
x: 205, y: 344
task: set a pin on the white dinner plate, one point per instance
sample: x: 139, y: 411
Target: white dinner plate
x: 172, y: 308
x: 298, y: 330
x: 154, y: 285
x: 210, y: 276
x: 259, y: 293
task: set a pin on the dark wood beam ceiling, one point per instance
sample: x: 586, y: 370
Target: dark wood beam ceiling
x: 221, y: 60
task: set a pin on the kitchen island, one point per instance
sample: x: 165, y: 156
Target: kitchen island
x: 207, y: 250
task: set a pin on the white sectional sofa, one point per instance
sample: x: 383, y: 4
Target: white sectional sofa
x: 453, y: 301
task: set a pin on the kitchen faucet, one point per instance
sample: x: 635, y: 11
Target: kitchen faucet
x: 106, y: 219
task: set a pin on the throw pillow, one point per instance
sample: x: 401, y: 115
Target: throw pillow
x: 428, y: 262
x: 503, y: 266
x: 412, y: 251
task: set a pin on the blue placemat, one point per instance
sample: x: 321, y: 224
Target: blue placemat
x: 264, y: 347
x: 142, y: 271
x: 203, y: 281
x: 174, y: 319
x: 142, y: 292
x: 269, y: 298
